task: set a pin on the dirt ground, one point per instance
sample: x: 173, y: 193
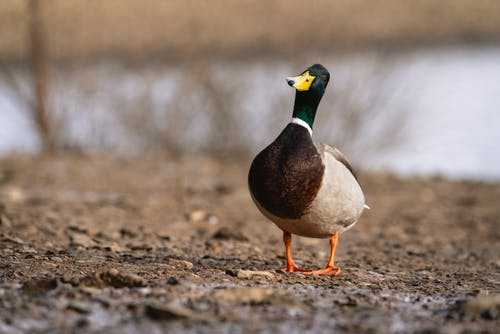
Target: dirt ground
x: 173, y: 243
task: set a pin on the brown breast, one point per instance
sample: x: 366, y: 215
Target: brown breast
x: 286, y: 176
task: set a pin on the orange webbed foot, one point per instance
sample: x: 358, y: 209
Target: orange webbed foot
x: 328, y: 271
x: 292, y: 268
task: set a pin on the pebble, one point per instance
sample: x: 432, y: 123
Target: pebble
x: 5, y: 221
x: 197, y: 216
x: 113, y: 247
x: 13, y: 239
x: 120, y: 279
x: 91, y: 291
x: 227, y: 233
x: 80, y: 306
x: 485, y: 306
x: 115, y: 278
x: 15, y: 194
x: 173, y: 281
x: 39, y: 286
x: 80, y: 239
x: 180, y: 264
x: 250, y: 274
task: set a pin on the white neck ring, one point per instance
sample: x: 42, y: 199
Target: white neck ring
x: 300, y: 122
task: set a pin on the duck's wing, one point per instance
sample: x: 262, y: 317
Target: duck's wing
x: 335, y: 152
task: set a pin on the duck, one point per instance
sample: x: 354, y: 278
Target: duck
x: 306, y: 188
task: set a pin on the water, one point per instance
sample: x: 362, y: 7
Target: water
x: 455, y: 117
x: 431, y: 111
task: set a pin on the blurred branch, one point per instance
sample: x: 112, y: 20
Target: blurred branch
x: 40, y: 75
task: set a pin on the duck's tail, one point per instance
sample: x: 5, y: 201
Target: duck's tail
x: 367, y: 207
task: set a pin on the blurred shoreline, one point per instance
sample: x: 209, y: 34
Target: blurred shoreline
x: 414, y: 83
x: 412, y: 112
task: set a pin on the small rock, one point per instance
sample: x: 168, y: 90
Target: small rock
x: 145, y: 291
x: 79, y: 306
x: 197, y: 216
x: 75, y: 227
x: 171, y: 312
x: 113, y: 272
x: 223, y: 188
x: 226, y: 233
x: 139, y: 245
x: 180, y: 264
x: 73, y: 280
x: 5, y: 221
x: 163, y: 236
x: 28, y: 250
x: 120, y: 279
x: 56, y: 259
x: 115, y: 278
x: 92, y: 292
x: 250, y: 274
x: 15, y: 194
x: 346, y: 301
x: 39, y: 286
x: 173, y: 281
x: 125, y: 232
x: 232, y: 272
x: 13, y: 239
x: 213, y: 219
x: 113, y: 247
x: 94, y: 280
x: 486, y: 306
x: 80, y: 239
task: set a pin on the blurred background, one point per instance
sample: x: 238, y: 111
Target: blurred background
x: 415, y: 86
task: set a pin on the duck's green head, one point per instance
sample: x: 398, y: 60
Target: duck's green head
x: 310, y: 86
x: 314, y: 79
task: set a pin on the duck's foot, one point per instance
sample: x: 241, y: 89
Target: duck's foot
x: 328, y: 271
x: 292, y: 268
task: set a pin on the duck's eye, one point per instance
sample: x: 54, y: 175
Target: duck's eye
x: 307, y: 80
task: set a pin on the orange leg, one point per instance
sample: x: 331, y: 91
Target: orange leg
x: 290, y: 265
x: 330, y: 268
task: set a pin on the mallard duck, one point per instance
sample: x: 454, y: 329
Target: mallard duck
x: 306, y: 188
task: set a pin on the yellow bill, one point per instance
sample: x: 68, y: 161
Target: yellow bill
x: 302, y: 82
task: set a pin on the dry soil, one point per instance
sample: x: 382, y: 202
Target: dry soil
x: 173, y: 243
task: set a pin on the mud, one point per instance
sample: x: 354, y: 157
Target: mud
x: 174, y: 243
